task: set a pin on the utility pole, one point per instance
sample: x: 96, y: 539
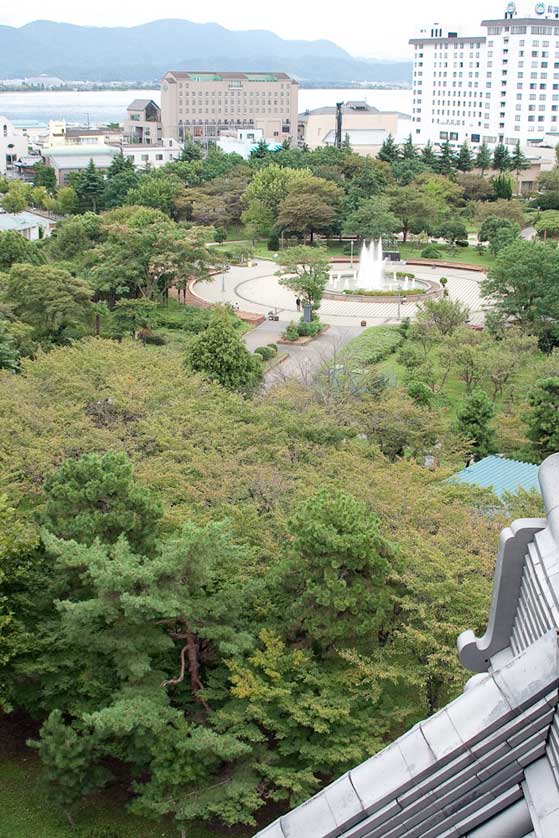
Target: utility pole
x: 339, y: 124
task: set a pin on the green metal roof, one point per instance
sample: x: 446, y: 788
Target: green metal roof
x: 501, y: 475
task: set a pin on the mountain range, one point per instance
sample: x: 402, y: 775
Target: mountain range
x: 144, y: 53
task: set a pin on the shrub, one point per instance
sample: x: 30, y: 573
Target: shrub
x: 420, y: 393
x: 291, y: 332
x: 306, y: 330
x: 431, y: 252
x: 265, y: 352
x: 274, y: 347
x: 462, y: 244
x: 404, y: 275
x: 154, y: 340
x: 273, y: 242
x: 220, y: 234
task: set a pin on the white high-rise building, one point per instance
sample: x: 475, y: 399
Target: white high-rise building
x: 499, y: 87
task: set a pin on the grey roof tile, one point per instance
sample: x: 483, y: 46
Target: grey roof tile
x: 441, y: 735
x: 479, y: 711
x: 312, y: 818
x: 519, y: 679
x: 375, y: 780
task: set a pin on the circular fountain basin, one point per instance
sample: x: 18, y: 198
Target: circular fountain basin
x: 345, y: 283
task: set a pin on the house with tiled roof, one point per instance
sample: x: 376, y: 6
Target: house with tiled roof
x: 487, y: 764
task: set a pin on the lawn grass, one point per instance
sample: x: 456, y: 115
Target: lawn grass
x: 27, y: 811
x: 373, y: 345
x: 461, y: 255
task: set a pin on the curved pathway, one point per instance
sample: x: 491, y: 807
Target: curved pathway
x: 257, y: 289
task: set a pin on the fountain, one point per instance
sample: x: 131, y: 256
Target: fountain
x: 370, y: 275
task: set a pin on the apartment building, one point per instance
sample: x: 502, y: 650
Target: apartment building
x: 498, y: 87
x: 202, y: 105
x: 143, y: 122
x: 13, y: 145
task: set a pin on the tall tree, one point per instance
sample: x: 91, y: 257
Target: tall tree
x: 543, y: 417
x: 44, y: 176
x: 483, y: 158
x: 519, y: 161
x: 473, y: 422
x: 446, y: 160
x: 501, y: 158
x: 310, y: 207
x: 89, y: 185
x: 465, y: 159
x: 428, y: 156
x: 305, y: 270
x: 408, y: 150
x: 372, y: 219
x: 389, y: 151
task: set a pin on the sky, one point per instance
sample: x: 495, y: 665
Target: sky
x: 363, y: 27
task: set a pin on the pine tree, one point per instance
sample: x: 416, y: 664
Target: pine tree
x: 96, y: 497
x: 501, y: 158
x: 446, y: 161
x: 409, y: 151
x: 89, y: 186
x: 190, y: 151
x: 119, y: 164
x: 389, y: 151
x: 519, y: 161
x: 428, y: 156
x: 483, y: 158
x: 473, y: 423
x: 465, y: 159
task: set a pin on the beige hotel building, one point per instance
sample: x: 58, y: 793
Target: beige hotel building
x: 204, y: 105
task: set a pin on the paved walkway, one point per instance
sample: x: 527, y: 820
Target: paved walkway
x: 257, y: 289
x: 303, y: 361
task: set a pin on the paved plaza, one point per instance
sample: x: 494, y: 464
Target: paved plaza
x: 256, y: 289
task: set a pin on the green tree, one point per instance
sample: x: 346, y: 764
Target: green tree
x: 309, y: 207
x: 502, y: 185
x: 305, y: 270
x: 44, y: 176
x: 473, y: 422
x: 119, y: 164
x: 548, y: 224
x: 415, y: 210
x: 408, y: 150
x: 14, y: 201
x: 190, y: 151
x: 221, y: 356
x: 96, y: 496
x: 428, y: 156
x: 66, y: 201
x: 443, y: 316
x: 465, y: 160
x: 446, y: 160
x: 48, y: 298
x: 451, y: 228
x: 519, y: 161
x: 9, y: 356
x: 69, y: 762
x: 501, y: 158
x: 89, y: 185
x: 522, y: 283
x: 389, y: 151
x: 483, y: 158
x: 15, y: 248
x: 337, y: 571
x: 543, y: 418
x: 157, y: 192
x: 118, y: 186
x: 371, y: 220
x: 133, y: 316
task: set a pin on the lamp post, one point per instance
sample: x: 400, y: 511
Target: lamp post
x: 351, y: 258
x: 223, y: 269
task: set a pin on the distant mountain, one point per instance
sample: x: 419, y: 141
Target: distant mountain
x: 143, y: 53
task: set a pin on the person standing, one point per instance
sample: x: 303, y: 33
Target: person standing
x: 298, y: 304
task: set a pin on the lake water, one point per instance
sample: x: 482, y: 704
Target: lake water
x: 102, y: 106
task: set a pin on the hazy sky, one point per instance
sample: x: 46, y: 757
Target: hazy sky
x: 362, y: 27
